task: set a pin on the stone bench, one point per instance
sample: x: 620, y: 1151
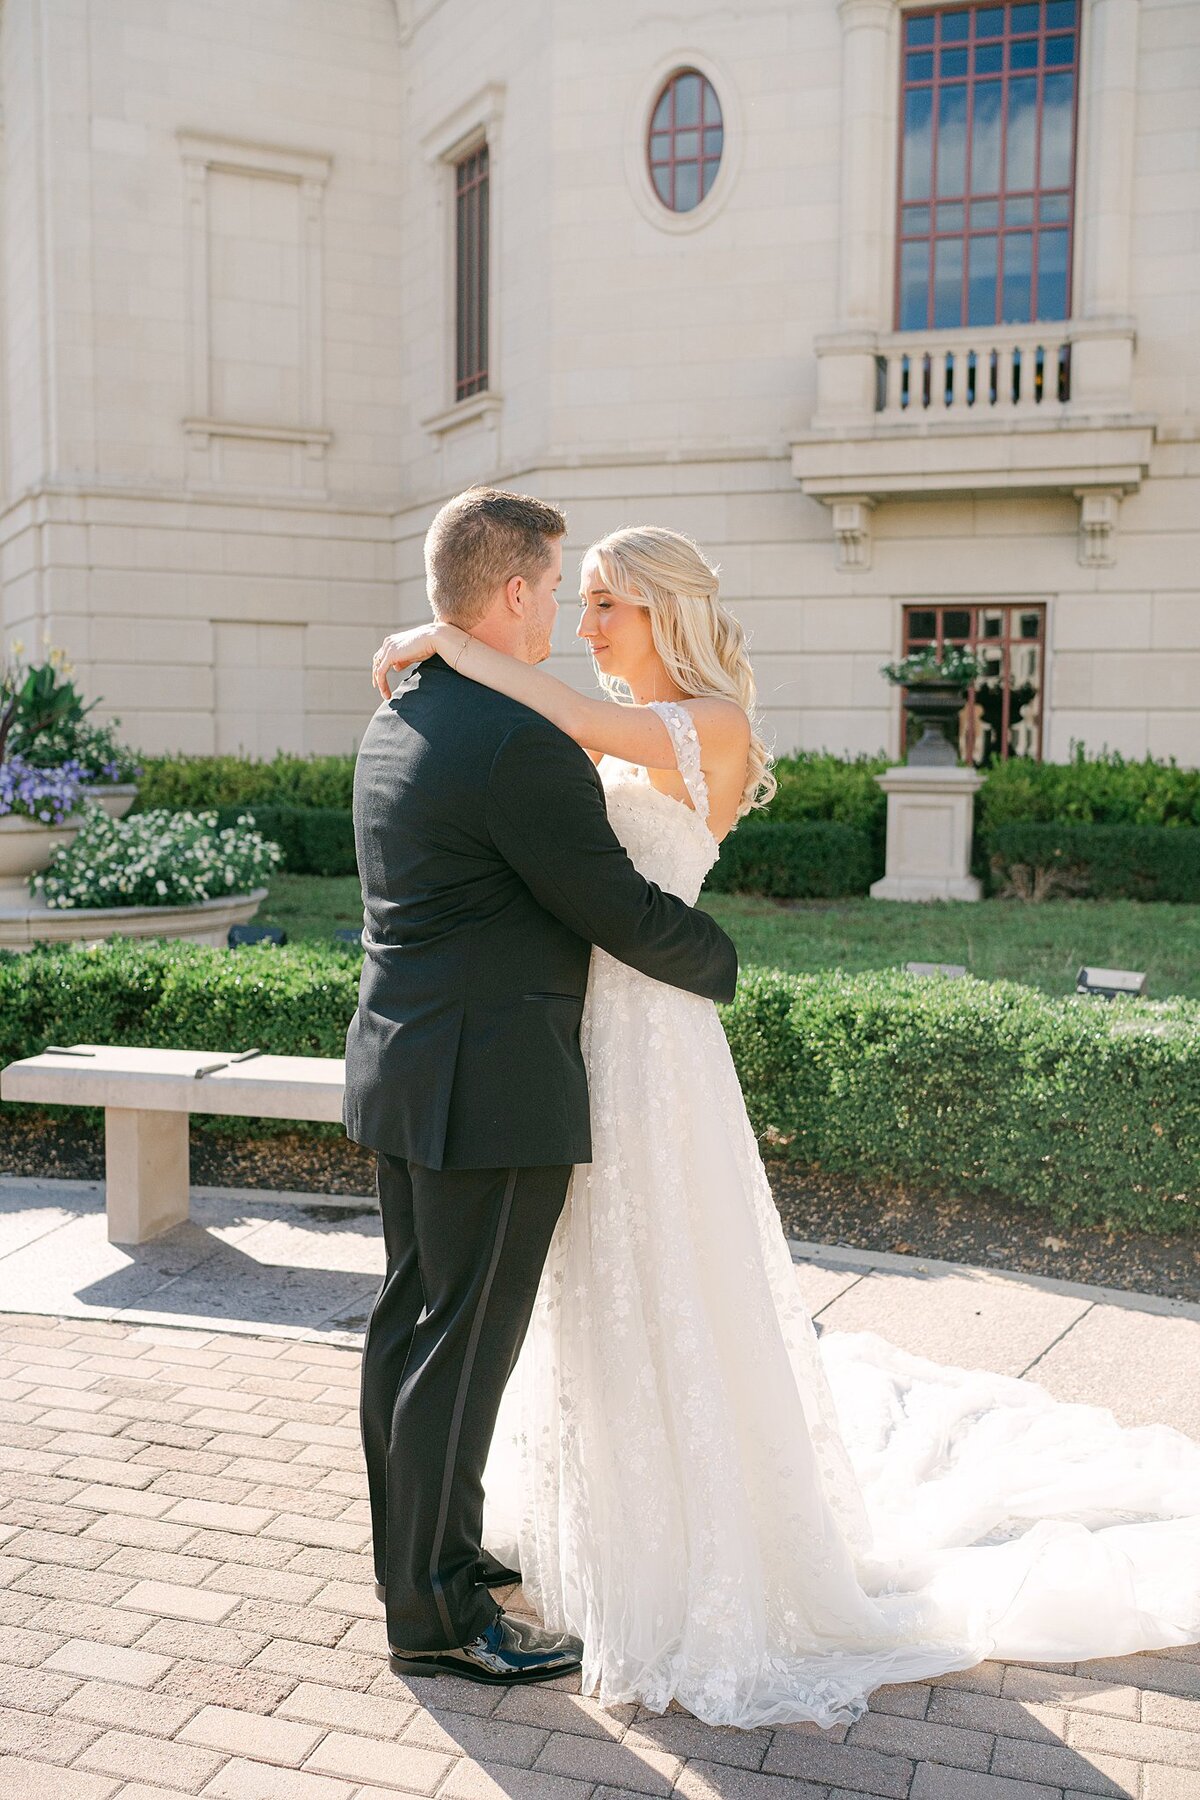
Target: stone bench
x: 148, y: 1096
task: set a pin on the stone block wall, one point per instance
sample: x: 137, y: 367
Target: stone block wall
x: 227, y: 369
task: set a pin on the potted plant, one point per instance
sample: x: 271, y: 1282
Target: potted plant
x: 935, y: 687
x: 50, y: 728
x: 53, y: 761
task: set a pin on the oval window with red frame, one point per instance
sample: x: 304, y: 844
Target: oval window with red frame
x: 687, y: 136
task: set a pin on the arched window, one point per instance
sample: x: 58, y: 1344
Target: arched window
x: 687, y: 134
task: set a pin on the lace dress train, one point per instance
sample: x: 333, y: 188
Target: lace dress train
x: 736, y: 1515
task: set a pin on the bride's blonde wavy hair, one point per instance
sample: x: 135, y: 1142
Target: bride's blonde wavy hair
x: 702, y: 645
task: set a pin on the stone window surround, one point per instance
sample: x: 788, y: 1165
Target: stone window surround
x: 846, y: 459
x: 1043, y: 233
x: 637, y: 128
x: 1108, y: 31
x: 976, y: 606
x: 308, y: 437
x: 665, y: 166
x: 474, y: 122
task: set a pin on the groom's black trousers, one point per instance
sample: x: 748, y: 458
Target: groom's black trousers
x: 465, y: 1249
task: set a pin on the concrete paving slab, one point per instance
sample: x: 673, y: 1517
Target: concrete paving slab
x: 819, y: 1287
x: 961, y: 1317
x: 242, y: 1260
x: 1144, y: 1369
x: 21, y: 1225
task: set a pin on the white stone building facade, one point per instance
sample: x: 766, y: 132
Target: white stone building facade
x: 230, y: 377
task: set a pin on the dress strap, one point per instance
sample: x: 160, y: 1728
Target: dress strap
x: 685, y: 741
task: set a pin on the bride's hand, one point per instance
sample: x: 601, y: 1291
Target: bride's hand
x: 400, y: 651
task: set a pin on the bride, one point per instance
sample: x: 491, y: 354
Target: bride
x: 731, y: 1514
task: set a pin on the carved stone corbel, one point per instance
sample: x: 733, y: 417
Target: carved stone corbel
x: 1097, y: 523
x: 852, y: 529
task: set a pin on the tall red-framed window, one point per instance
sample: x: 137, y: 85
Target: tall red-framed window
x: 1003, y: 713
x: 988, y: 109
x: 471, y: 181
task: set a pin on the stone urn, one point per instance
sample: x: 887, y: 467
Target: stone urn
x: 26, y: 846
x: 116, y: 797
x: 935, y: 703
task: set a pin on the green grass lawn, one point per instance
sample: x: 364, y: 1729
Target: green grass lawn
x: 1041, y: 945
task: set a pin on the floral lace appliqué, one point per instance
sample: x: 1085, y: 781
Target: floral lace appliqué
x: 685, y: 741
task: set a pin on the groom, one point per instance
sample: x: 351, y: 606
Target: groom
x: 489, y: 870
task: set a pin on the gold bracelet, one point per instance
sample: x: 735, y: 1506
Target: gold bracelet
x: 462, y: 652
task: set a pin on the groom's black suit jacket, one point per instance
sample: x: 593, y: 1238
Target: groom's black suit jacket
x: 489, y: 869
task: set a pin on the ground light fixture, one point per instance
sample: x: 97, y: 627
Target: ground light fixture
x: 255, y: 934
x: 1110, y: 983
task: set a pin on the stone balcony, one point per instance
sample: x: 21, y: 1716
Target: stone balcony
x: 1025, y: 409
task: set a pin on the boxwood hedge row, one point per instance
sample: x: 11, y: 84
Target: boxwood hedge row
x: 816, y: 859
x: 1101, y: 862
x: 1086, y: 1109
x: 315, y: 840
x: 821, y: 837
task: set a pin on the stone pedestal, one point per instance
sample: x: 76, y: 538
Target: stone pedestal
x: 929, y: 821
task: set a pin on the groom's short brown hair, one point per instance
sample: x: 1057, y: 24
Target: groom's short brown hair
x: 480, y: 540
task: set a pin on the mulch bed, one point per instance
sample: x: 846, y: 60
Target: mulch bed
x: 814, y: 1207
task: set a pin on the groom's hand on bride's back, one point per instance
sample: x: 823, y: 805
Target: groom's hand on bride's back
x: 546, y: 814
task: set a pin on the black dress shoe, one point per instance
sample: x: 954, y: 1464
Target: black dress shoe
x: 510, y: 1651
x: 493, y: 1574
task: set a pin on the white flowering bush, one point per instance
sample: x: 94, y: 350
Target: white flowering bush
x: 157, y: 859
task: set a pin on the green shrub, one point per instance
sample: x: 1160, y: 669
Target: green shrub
x: 1035, y: 861
x: 1105, y: 789
x: 1088, y: 1110
x: 183, y: 782
x: 295, y: 1001
x: 812, y: 860
x: 84, y: 994
x: 315, y: 840
x: 814, y: 784
x: 1085, y: 1109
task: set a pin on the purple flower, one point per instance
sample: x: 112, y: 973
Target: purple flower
x: 49, y: 795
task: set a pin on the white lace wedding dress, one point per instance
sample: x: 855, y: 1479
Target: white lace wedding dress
x: 732, y: 1514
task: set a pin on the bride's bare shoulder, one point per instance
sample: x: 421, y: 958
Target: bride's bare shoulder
x: 722, y: 724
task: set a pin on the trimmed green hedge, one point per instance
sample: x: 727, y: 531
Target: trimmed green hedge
x: 1105, y: 789
x: 816, y: 859
x: 814, y: 784
x: 1034, y: 861
x: 295, y: 1001
x: 1087, y: 1109
x: 315, y: 840
x: 216, y: 782
x: 787, y: 850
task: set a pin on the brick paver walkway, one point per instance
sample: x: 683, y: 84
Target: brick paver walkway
x: 187, y: 1607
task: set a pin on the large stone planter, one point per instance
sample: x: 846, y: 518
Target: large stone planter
x: 206, y: 922
x: 26, y: 845
x: 115, y: 797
